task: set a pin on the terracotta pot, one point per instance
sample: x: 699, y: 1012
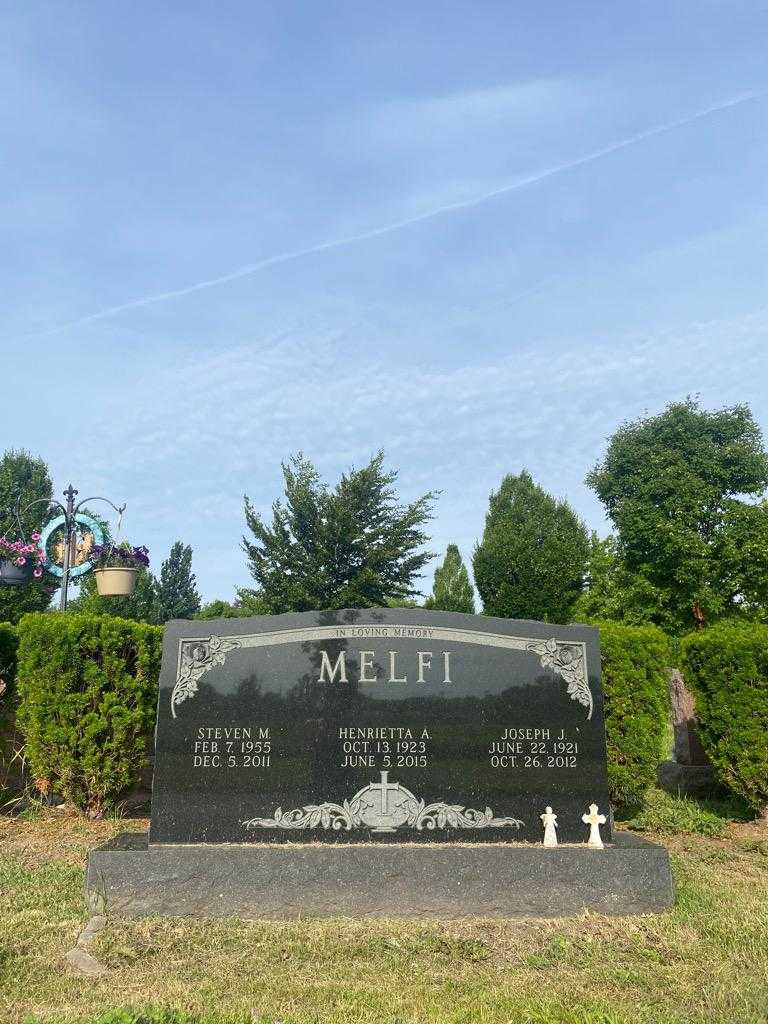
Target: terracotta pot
x: 13, y: 575
x: 118, y: 581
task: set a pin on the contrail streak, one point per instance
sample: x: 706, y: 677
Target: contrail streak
x: 461, y: 204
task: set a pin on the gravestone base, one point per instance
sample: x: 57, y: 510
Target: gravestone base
x: 687, y: 779
x: 127, y: 877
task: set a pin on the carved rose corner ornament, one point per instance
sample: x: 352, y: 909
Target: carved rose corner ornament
x: 198, y: 657
x: 568, y: 661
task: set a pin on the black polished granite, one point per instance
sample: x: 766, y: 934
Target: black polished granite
x: 127, y: 878
x: 382, y: 725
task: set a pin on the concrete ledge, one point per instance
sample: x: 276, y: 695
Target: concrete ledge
x: 127, y: 877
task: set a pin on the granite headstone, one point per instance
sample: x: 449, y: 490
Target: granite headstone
x: 377, y: 725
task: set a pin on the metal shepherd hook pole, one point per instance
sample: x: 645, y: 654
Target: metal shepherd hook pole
x: 69, y: 533
x: 69, y: 515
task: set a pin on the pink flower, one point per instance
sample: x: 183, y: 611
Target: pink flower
x: 21, y: 561
x: 38, y: 573
x: 36, y: 536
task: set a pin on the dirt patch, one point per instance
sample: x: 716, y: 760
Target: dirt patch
x: 61, y: 836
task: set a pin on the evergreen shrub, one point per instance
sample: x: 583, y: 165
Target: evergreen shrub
x: 726, y: 666
x: 8, y: 644
x: 87, y: 687
x: 635, y: 666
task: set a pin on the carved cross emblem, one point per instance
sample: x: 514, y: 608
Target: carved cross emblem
x: 384, y: 788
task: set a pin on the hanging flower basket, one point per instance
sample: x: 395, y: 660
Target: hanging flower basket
x: 116, y: 567
x: 14, y: 575
x: 118, y: 581
x: 20, y: 561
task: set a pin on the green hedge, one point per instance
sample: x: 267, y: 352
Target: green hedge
x: 635, y: 665
x: 87, y: 687
x: 726, y: 666
x: 8, y: 643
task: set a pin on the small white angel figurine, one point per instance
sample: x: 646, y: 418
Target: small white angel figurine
x: 550, y: 824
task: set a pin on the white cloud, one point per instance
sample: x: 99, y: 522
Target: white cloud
x: 458, y: 118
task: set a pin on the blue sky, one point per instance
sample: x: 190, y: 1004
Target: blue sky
x: 549, y: 217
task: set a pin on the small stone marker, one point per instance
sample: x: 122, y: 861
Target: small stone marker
x: 594, y: 820
x: 79, y: 959
x: 550, y: 824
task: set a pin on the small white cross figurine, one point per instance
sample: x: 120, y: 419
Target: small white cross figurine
x: 550, y: 824
x: 594, y: 820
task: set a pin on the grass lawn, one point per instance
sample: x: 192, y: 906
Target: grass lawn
x: 705, y: 961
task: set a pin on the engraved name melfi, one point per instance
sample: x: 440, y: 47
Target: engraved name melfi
x: 426, y: 667
x: 198, y: 655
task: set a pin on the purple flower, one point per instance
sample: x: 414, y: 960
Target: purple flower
x: 20, y: 549
x: 119, y: 555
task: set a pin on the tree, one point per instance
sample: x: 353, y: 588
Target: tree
x: 613, y: 593
x: 674, y: 486
x: 247, y: 605
x: 175, y: 590
x: 218, y: 609
x: 531, y: 561
x: 452, y: 591
x: 351, y: 547
x: 23, y: 479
